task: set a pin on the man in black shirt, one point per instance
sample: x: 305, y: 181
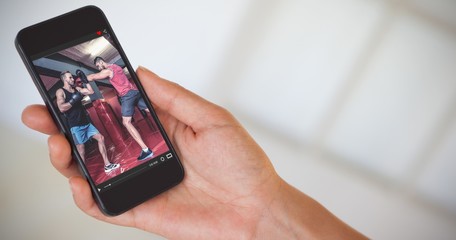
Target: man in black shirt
x: 69, y: 102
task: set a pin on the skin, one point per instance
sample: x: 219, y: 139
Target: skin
x: 230, y: 191
x: 104, y: 73
x: 68, y: 83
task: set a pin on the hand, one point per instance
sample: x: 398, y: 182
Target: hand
x: 82, y: 76
x: 75, y: 97
x: 230, y: 191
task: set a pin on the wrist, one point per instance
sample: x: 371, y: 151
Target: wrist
x: 294, y: 215
x: 277, y: 222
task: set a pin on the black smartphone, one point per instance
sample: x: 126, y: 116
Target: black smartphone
x: 97, y: 101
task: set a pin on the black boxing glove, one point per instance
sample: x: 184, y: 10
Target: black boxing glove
x: 82, y: 76
x: 75, y: 98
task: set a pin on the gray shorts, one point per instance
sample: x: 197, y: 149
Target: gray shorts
x: 129, y: 101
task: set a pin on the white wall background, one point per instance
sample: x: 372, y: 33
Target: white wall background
x: 353, y: 100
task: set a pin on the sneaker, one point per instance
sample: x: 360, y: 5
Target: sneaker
x: 145, y: 155
x: 110, y: 167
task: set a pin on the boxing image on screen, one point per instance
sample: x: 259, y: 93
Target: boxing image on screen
x: 102, y: 108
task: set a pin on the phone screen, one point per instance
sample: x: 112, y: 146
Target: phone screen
x: 113, y: 113
x: 95, y: 98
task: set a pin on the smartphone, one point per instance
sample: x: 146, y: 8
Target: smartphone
x: 98, y: 103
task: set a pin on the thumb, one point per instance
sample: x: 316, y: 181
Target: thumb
x: 181, y: 103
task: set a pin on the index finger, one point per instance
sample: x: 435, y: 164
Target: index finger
x: 37, y: 117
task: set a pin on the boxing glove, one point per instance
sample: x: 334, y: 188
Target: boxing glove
x: 75, y: 98
x: 82, y: 76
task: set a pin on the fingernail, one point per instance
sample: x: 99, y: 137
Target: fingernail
x: 142, y: 68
